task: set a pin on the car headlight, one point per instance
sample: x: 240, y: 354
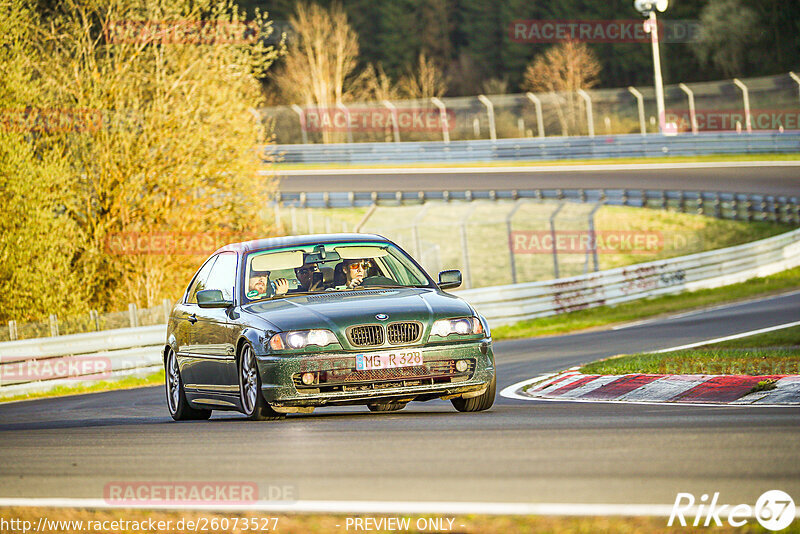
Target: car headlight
x: 298, y: 339
x: 463, y: 326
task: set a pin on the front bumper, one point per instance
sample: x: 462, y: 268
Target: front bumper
x: 280, y: 388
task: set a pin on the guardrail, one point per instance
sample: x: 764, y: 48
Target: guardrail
x: 138, y: 350
x: 41, y: 364
x: 740, y: 206
x: 547, y: 148
x: 513, y: 303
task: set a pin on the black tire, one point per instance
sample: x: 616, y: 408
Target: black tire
x: 177, y: 404
x: 477, y: 404
x: 386, y: 406
x: 253, y: 404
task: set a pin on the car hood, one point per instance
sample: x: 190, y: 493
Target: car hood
x: 337, y: 311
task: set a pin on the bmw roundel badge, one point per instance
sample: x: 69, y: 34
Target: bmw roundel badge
x: 381, y: 316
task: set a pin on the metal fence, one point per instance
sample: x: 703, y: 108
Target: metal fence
x: 535, y: 149
x: 91, y: 321
x: 540, y: 235
x: 453, y: 242
x: 513, y: 303
x: 138, y: 350
x: 739, y: 206
x: 716, y: 106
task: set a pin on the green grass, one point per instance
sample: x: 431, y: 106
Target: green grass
x: 653, y: 307
x: 129, y: 382
x: 773, y: 353
x: 666, y: 159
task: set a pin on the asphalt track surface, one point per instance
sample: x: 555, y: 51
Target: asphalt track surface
x: 756, y: 177
x: 521, y: 451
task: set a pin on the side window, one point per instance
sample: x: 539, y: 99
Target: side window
x: 223, y: 275
x: 200, y: 280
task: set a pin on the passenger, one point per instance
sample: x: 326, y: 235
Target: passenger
x: 259, y: 282
x: 309, y: 278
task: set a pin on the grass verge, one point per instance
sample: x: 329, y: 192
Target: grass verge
x: 649, y: 308
x: 129, y: 382
x: 773, y: 353
x: 529, y: 163
x: 324, y: 523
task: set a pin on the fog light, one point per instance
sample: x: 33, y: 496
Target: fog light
x: 308, y: 378
x: 461, y: 366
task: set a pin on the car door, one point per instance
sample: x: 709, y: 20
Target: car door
x: 185, y: 316
x: 214, y: 337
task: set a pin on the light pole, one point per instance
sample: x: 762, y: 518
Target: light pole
x: 648, y: 9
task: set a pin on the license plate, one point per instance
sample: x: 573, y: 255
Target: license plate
x: 388, y: 360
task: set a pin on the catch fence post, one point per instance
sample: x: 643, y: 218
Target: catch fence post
x: 640, y: 105
x: 490, y: 113
x: 53, y: 324
x: 538, y: 105
x: 553, y: 238
x: 509, y: 222
x: 301, y: 114
x: 442, y: 119
x: 465, y: 247
x: 589, y: 114
x: 132, y: 315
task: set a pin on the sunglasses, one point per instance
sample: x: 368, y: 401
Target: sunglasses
x: 357, y: 266
x: 306, y: 270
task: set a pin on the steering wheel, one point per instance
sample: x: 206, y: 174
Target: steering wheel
x: 378, y: 281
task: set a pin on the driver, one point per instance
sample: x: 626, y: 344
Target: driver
x: 355, y: 271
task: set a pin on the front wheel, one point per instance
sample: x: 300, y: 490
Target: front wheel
x: 386, y: 406
x: 479, y: 403
x: 253, y: 404
x: 178, y: 406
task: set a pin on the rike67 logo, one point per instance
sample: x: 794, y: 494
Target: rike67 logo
x: 774, y: 510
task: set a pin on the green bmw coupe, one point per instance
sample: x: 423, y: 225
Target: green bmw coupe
x: 285, y: 325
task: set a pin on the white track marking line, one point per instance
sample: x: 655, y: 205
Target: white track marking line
x: 535, y: 169
x: 366, y: 507
x: 665, y: 404
x: 511, y: 391
x: 728, y: 338
x: 704, y: 310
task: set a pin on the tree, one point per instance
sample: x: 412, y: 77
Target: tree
x: 729, y: 32
x: 318, y: 69
x: 169, y: 147
x: 425, y: 82
x: 563, y: 69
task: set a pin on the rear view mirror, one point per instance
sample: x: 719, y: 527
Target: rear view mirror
x: 212, y: 298
x: 449, y: 279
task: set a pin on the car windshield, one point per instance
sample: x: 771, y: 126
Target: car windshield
x: 318, y: 268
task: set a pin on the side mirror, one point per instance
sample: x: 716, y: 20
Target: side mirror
x: 449, y: 279
x: 212, y: 298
